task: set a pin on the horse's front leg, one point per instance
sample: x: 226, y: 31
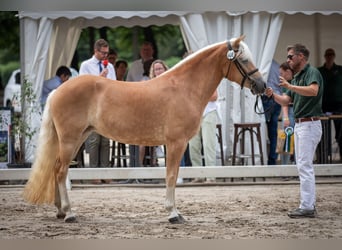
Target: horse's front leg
x: 63, y: 203
x: 173, y: 157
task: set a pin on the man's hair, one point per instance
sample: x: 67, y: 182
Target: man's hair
x: 329, y: 51
x: 117, y: 63
x: 112, y: 52
x: 63, y: 70
x: 299, y: 48
x: 100, y: 43
x: 147, y: 43
x: 285, y: 66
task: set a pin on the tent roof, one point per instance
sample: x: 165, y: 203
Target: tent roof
x: 143, y: 14
x: 111, y: 18
x: 131, y: 18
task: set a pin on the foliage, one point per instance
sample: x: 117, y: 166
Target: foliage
x: 126, y: 41
x: 9, y: 44
x: 9, y: 33
x: 22, y: 130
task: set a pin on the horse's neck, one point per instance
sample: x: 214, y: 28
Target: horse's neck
x: 203, y: 74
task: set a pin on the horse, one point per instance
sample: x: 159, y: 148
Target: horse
x: 126, y: 111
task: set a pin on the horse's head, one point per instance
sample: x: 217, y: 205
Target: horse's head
x: 245, y: 71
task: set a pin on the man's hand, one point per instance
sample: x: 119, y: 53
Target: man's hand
x: 269, y: 92
x: 104, y: 72
x: 284, y: 83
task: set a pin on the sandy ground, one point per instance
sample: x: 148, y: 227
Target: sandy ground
x: 211, y: 212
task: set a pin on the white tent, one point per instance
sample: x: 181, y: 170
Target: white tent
x: 48, y: 39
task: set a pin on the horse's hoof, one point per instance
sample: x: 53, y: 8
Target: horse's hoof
x: 70, y: 219
x: 60, y: 215
x: 177, y: 220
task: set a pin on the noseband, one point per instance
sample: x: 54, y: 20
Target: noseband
x: 233, y: 55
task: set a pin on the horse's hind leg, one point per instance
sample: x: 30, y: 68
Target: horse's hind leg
x: 60, y: 214
x: 62, y: 201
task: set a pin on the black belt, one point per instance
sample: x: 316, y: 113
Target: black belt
x: 306, y: 119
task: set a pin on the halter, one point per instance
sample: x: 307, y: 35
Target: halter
x: 233, y: 55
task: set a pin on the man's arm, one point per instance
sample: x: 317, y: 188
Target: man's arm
x: 311, y: 90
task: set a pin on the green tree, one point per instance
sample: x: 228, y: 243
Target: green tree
x: 167, y: 40
x: 9, y: 44
x: 10, y: 36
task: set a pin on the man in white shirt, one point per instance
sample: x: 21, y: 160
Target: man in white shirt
x: 135, y: 74
x: 136, y: 70
x: 97, y: 145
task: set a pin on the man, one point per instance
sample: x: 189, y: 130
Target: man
x: 97, y: 145
x: 63, y: 73
x: 305, y: 91
x: 112, y: 56
x: 135, y: 74
x: 332, y: 94
x: 136, y: 71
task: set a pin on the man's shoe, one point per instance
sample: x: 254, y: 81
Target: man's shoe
x: 210, y: 180
x: 179, y: 181
x: 302, y: 213
x: 198, y: 180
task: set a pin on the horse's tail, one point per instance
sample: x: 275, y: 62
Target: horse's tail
x: 40, y: 187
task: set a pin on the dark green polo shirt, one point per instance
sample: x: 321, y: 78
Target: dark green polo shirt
x: 307, y: 106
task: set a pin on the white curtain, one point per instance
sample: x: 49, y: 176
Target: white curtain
x: 262, y: 31
x: 48, y: 44
x: 36, y: 35
x: 65, y: 36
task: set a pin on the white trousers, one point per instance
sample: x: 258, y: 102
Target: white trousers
x: 206, y: 136
x: 307, y: 136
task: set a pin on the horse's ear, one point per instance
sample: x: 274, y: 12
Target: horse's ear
x: 241, y: 38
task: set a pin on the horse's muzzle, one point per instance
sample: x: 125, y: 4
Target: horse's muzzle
x: 258, y: 86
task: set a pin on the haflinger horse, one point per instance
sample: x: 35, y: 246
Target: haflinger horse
x: 127, y: 111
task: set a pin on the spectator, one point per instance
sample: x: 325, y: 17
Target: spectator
x: 135, y: 74
x: 153, y: 162
x: 112, y: 56
x: 136, y: 70
x: 287, y: 110
x: 332, y: 93
x: 98, y: 145
x: 272, y: 112
x: 63, y: 73
x: 205, y: 138
x: 121, y: 69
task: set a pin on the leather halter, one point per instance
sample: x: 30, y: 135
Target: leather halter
x: 233, y: 55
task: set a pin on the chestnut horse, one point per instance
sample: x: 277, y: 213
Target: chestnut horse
x: 126, y: 112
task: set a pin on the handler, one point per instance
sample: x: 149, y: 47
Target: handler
x: 305, y: 91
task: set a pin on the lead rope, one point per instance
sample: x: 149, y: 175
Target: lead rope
x: 256, y: 108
